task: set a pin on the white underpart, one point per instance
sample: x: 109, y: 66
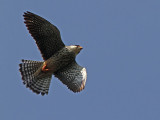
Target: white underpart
x: 84, y: 74
x: 73, y: 46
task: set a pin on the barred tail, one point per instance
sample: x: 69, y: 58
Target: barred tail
x: 38, y: 84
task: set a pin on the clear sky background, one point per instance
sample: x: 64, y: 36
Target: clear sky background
x: 121, y: 41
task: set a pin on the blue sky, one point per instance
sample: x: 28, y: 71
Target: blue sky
x: 121, y: 41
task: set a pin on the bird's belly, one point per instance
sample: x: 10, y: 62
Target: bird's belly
x: 58, y: 62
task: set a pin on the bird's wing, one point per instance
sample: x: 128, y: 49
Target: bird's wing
x: 74, y: 76
x: 46, y: 35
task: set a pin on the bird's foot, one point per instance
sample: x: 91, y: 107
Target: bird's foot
x: 44, y: 69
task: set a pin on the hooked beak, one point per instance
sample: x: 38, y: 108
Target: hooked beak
x: 80, y: 47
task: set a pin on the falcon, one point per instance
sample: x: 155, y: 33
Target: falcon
x: 59, y: 59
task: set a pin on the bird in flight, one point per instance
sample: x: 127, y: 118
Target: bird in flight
x: 59, y: 59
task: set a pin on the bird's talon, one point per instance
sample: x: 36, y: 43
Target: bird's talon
x: 44, y: 67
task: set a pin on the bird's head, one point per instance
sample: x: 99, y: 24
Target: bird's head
x: 75, y: 48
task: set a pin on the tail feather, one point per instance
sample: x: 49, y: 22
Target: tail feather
x: 28, y: 68
x: 38, y: 84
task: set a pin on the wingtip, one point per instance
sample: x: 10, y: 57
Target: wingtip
x: 79, y: 89
x: 26, y: 12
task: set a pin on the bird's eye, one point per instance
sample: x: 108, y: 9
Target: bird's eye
x: 77, y: 45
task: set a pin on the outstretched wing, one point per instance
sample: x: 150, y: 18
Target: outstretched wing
x: 74, y: 76
x: 46, y: 35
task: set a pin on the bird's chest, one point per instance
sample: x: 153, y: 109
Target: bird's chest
x: 60, y: 60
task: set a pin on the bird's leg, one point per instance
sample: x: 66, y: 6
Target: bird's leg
x: 44, y: 69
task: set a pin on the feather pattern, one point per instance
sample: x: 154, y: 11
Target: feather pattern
x: 46, y: 35
x: 38, y: 84
x: 73, y: 75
